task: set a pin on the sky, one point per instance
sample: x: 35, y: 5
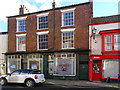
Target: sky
x: 11, y: 7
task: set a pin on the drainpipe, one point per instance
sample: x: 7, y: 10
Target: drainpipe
x: 53, y: 25
x: 53, y: 7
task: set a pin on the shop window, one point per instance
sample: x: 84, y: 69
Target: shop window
x: 65, y: 66
x: 117, y: 42
x: 110, y: 68
x: 108, y: 42
x: 35, y: 63
x: 51, y: 64
x: 13, y: 64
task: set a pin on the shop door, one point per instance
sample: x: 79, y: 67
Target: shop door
x: 97, y: 73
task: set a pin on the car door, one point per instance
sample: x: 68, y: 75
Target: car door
x: 22, y: 76
x: 13, y: 77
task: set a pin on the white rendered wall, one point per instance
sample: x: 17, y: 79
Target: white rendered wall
x: 3, y: 49
x: 96, y: 44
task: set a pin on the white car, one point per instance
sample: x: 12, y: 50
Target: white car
x: 28, y: 77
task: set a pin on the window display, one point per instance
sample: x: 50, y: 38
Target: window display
x: 13, y: 63
x: 65, y: 64
x: 110, y: 68
x: 35, y: 61
x: 51, y: 64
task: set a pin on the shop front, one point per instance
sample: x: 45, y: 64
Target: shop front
x: 102, y: 67
x: 57, y: 65
x: 27, y: 61
x: 62, y: 65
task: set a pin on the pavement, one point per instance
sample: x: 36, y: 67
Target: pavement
x: 82, y: 83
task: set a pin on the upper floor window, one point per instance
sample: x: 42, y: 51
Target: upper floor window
x: 112, y: 42
x: 117, y: 42
x: 42, y: 40
x: 21, y: 24
x: 42, y: 21
x: 108, y: 42
x: 21, y: 43
x: 67, y: 40
x: 68, y: 17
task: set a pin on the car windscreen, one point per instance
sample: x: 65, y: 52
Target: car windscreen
x: 35, y: 72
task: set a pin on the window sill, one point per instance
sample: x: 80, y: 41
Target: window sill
x: 19, y: 32
x: 20, y: 50
x: 68, y: 26
x: 42, y: 49
x: 68, y: 48
x: 42, y: 29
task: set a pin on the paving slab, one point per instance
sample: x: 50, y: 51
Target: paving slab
x: 82, y: 83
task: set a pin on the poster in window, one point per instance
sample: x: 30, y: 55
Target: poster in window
x: 34, y: 66
x: 96, y: 68
x: 64, y: 67
x: 12, y: 66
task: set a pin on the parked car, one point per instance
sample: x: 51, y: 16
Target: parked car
x: 28, y: 77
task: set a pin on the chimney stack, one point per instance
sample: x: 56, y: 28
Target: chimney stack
x: 90, y: 0
x: 91, y: 7
x: 23, y: 10
x: 53, y: 4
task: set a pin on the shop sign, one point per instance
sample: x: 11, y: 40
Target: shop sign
x: 96, y: 57
x: 64, y: 64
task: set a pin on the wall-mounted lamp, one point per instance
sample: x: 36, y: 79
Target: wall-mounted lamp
x: 94, y: 31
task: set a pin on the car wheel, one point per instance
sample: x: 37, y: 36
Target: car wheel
x: 3, y: 82
x: 29, y: 83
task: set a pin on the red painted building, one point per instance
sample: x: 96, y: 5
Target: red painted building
x: 104, y: 43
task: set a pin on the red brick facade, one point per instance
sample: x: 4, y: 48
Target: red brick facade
x: 83, y: 14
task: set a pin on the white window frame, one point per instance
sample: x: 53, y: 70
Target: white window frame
x: 118, y: 47
x: 18, y: 19
x: 31, y: 59
x: 19, y: 35
x: 106, y: 42
x: 67, y: 11
x: 41, y: 33
x: 68, y: 30
x: 41, y: 15
x: 17, y: 59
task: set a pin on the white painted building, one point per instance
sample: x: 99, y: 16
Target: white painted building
x: 3, y: 49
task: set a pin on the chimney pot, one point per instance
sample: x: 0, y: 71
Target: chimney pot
x: 53, y: 4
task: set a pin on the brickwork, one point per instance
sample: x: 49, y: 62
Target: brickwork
x: 81, y: 39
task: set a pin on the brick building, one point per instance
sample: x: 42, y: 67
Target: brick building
x: 104, y: 44
x: 55, y: 41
